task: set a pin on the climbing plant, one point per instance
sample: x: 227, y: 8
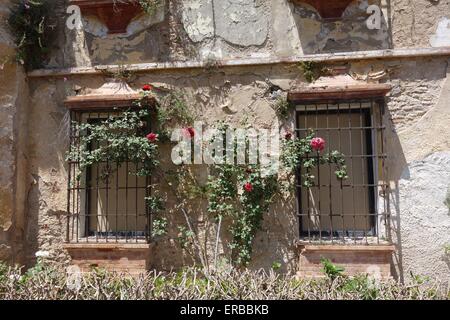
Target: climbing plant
x: 116, y: 140
x: 150, y: 6
x: 281, y: 107
x: 307, y: 153
x: 244, y: 193
x: 312, y: 70
x: 240, y: 194
x: 33, y: 26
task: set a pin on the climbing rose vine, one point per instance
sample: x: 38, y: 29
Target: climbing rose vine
x: 305, y: 154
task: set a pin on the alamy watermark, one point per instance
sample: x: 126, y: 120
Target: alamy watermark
x: 234, y: 146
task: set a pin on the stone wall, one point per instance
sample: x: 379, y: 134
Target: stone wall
x: 420, y: 23
x: 240, y: 96
x: 216, y: 30
x: 13, y: 151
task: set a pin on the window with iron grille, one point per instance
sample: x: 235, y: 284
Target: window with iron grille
x: 352, y: 210
x: 106, y: 201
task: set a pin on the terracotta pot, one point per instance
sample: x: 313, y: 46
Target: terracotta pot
x: 328, y: 9
x: 115, y: 16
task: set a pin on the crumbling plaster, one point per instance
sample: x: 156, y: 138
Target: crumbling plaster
x: 241, y: 96
x: 13, y: 164
x: 416, y: 23
x: 207, y: 29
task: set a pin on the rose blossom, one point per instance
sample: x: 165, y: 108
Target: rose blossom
x: 189, y: 132
x: 248, y: 187
x: 318, y: 144
x: 147, y: 87
x: 288, y: 135
x: 152, y: 137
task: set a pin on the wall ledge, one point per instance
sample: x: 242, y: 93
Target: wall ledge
x: 108, y: 246
x: 243, y: 62
x: 346, y: 248
x: 374, y: 260
x: 130, y: 258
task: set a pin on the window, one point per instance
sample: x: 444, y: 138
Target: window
x: 351, y: 210
x: 106, y: 201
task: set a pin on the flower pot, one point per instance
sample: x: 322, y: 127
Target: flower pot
x: 328, y: 9
x: 114, y: 14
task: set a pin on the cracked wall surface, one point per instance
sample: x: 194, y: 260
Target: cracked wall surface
x: 13, y: 166
x: 416, y: 23
x: 241, y: 97
x: 212, y: 29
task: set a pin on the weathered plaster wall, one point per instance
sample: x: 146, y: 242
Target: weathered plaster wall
x: 420, y: 23
x: 423, y: 221
x: 13, y: 117
x: 214, y: 30
x: 418, y: 145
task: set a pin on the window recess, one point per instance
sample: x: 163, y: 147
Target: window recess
x: 106, y: 201
x: 355, y: 210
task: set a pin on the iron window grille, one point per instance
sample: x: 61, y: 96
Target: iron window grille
x: 354, y: 210
x: 109, y: 208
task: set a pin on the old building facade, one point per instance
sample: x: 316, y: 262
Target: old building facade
x: 384, y: 102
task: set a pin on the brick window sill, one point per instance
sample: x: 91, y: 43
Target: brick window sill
x: 345, y: 248
x: 374, y: 260
x: 131, y: 258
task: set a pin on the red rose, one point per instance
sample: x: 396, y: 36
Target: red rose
x: 288, y: 135
x: 248, y: 187
x: 318, y: 144
x: 189, y: 132
x: 152, y: 137
x: 147, y: 87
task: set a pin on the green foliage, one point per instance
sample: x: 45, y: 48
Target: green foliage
x: 447, y: 249
x: 173, y: 111
x: 227, y: 197
x: 195, y: 284
x: 312, y: 70
x: 282, y: 107
x: 121, y: 73
x: 298, y: 153
x: 185, y: 237
x: 3, y: 271
x: 122, y: 138
x: 330, y: 269
x: 447, y: 198
x: 276, y: 265
x: 159, y: 227
x: 150, y: 6
x: 418, y: 279
x: 115, y: 140
x: 362, y: 285
x: 155, y: 204
x: 33, y: 26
